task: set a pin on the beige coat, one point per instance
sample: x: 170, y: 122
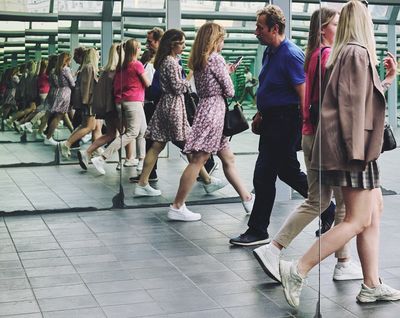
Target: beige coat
x: 350, y: 132
x: 88, y: 82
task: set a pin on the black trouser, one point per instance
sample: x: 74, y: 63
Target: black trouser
x: 280, y: 133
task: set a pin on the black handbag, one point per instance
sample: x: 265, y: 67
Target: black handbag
x: 191, y: 101
x: 234, y: 122
x: 389, y: 142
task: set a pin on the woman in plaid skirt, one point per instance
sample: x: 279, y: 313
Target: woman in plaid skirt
x: 347, y: 144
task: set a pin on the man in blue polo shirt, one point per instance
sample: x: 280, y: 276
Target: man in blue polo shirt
x: 279, y: 97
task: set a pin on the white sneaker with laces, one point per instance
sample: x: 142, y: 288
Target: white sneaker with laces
x: 269, y: 261
x: 98, y: 152
x: 292, y: 282
x: 99, y: 163
x: 118, y: 167
x: 50, y: 141
x: 248, y: 205
x: 65, y: 152
x: 146, y: 191
x: 215, y: 184
x: 183, y: 214
x: 347, y: 271
x: 131, y: 162
x: 380, y: 292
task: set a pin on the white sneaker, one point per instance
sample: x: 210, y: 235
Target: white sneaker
x: 380, y: 292
x: 131, y: 162
x: 215, y: 184
x: 87, y: 138
x: 118, y: 167
x: 268, y: 261
x: 183, y: 214
x: 292, y: 282
x: 140, y: 165
x: 347, y: 271
x: 50, y: 141
x: 65, y: 151
x: 98, y: 152
x: 248, y: 205
x: 83, y: 159
x: 27, y: 127
x: 99, y: 163
x: 146, y: 191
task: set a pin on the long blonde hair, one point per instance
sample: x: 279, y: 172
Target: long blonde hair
x: 91, y: 58
x: 112, y: 58
x: 131, y: 48
x: 208, y: 37
x: 355, y: 25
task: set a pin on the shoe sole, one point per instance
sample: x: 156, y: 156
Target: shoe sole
x: 81, y: 163
x: 175, y: 217
x: 131, y: 180
x: 146, y: 194
x: 266, y: 241
x: 265, y: 269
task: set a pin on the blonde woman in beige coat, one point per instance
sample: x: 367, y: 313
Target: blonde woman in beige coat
x: 352, y: 116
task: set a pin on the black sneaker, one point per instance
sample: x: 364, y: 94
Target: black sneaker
x: 249, y: 239
x: 136, y: 179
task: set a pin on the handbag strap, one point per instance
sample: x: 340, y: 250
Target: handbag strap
x: 316, y: 73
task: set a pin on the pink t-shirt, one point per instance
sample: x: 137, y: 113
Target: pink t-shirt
x: 308, y: 128
x: 43, y: 83
x: 128, y: 86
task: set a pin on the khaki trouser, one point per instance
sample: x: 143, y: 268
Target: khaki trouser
x: 135, y: 128
x: 319, y: 197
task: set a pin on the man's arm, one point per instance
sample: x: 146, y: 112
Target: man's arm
x: 301, y: 92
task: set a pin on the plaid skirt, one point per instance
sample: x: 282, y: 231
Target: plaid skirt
x: 367, y: 179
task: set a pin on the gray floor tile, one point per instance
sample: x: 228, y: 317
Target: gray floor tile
x: 61, y: 291
x: 114, y: 286
x: 18, y: 307
x: 16, y: 295
x: 123, y: 298
x: 64, y: 303
x: 133, y: 310
x: 55, y: 280
x: 76, y: 313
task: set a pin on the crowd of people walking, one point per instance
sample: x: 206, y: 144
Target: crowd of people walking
x: 140, y: 99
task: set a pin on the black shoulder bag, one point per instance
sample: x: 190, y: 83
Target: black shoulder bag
x: 191, y: 101
x: 234, y: 121
x: 314, y: 107
x: 389, y: 142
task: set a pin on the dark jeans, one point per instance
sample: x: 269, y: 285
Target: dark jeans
x: 280, y: 133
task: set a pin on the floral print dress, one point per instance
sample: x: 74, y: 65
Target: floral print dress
x: 169, y: 122
x: 62, y: 99
x: 213, y: 83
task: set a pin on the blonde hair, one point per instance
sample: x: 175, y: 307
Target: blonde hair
x: 91, y: 57
x: 355, y: 25
x: 208, y: 37
x: 63, y: 60
x: 112, y: 58
x: 131, y: 48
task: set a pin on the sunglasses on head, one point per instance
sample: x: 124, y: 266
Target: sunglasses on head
x: 365, y: 2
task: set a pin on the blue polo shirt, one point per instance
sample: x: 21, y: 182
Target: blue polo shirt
x: 282, y: 69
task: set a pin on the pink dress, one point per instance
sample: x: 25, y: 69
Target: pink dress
x: 213, y: 83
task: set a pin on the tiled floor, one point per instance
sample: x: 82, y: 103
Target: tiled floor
x: 135, y: 263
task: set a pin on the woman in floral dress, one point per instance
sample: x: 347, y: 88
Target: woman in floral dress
x: 169, y: 122
x: 213, y: 83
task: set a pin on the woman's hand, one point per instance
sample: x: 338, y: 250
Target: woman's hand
x: 230, y: 67
x: 390, y: 64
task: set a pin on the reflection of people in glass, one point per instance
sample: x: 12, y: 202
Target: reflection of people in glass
x: 322, y: 33
x: 249, y: 83
x: 352, y: 115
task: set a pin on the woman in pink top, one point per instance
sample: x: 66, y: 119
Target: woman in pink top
x: 130, y: 82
